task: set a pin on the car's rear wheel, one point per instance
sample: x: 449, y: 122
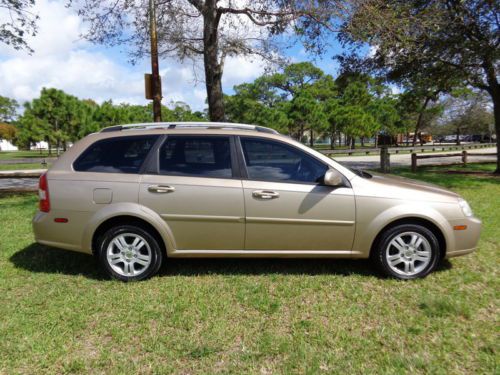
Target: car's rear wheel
x: 407, y: 251
x: 129, y: 253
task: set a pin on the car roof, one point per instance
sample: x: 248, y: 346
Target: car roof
x: 189, y: 125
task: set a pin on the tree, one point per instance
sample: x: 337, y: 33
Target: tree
x: 365, y: 107
x: 449, y: 42
x: 417, y: 109
x: 19, y: 22
x: 296, y: 83
x: 8, y: 109
x: 31, y: 129
x: 257, y: 103
x: 7, y: 132
x: 308, y: 113
x: 466, y: 113
x: 203, y: 30
x: 59, y: 118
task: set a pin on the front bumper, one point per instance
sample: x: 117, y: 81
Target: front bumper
x: 465, y: 241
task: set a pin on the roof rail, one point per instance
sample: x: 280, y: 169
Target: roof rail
x: 177, y: 125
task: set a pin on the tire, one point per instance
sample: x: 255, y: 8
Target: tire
x: 407, y: 251
x: 130, y: 253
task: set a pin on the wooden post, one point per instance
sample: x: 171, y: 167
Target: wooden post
x: 414, y: 162
x: 385, y: 160
x: 464, y: 157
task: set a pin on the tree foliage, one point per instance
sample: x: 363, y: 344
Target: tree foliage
x: 7, y: 131
x: 59, y: 118
x: 303, y: 99
x: 436, y: 45
x: 17, y: 23
x: 8, y: 109
x: 206, y: 31
x: 466, y: 113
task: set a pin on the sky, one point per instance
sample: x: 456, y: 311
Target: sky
x: 63, y: 60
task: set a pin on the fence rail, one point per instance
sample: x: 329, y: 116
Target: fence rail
x: 464, y: 155
x: 397, y: 150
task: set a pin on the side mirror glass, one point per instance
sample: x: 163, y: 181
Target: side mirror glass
x: 333, y: 178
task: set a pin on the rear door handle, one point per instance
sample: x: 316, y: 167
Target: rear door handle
x: 265, y: 194
x: 162, y: 189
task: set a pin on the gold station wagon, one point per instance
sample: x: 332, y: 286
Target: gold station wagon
x: 135, y: 195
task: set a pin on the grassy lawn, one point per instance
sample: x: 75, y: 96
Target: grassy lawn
x: 5, y: 155
x: 59, y: 315
x: 11, y: 167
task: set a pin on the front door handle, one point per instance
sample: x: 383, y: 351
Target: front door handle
x: 265, y: 194
x: 162, y: 189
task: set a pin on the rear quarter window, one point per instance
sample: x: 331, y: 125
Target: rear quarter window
x: 115, y: 155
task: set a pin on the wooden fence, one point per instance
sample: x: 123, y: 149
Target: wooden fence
x: 464, y: 155
x: 397, y: 150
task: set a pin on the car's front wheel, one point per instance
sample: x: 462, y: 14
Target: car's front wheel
x: 407, y: 251
x: 129, y: 252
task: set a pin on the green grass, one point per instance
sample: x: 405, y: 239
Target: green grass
x: 6, y: 155
x: 11, y: 167
x: 60, y: 315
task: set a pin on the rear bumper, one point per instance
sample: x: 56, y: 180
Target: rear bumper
x: 61, y: 235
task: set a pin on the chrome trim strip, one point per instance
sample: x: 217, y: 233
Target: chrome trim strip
x: 266, y: 253
x: 227, y: 219
x: 276, y: 220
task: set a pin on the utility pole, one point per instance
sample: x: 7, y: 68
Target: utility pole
x: 155, y: 78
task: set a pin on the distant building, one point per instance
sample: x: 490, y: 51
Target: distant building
x: 7, y: 146
x: 42, y: 145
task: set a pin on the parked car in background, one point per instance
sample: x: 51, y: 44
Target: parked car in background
x: 137, y: 195
x: 476, y: 138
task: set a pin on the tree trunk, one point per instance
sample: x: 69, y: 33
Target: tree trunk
x: 332, y: 140
x: 458, y: 137
x: 213, y: 68
x: 362, y: 141
x: 494, y: 90
x: 311, y: 138
x: 353, y: 143
x: 496, y: 109
x: 419, y: 119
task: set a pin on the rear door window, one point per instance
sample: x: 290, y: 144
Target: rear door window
x: 116, y: 155
x: 196, y: 156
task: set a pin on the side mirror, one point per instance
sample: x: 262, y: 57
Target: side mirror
x: 333, y: 178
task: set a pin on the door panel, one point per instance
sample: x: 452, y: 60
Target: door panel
x: 196, y: 194
x: 203, y: 213
x: 299, y: 217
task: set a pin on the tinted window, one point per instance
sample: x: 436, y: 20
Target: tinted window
x: 196, y: 156
x: 275, y: 161
x: 115, y: 155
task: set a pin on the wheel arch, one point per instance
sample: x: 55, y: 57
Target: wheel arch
x: 125, y: 220
x: 127, y: 213
x: 436, y: 230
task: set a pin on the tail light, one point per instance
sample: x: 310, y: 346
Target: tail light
x: 43, y: 193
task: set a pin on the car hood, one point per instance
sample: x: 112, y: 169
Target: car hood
x: 407, y: 189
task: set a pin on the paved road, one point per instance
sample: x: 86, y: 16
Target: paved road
x: 361, y: 162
